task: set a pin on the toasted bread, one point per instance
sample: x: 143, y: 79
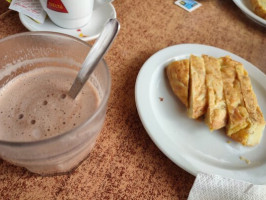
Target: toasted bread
x: 245, y: 121
x: 178, y: 76
x: 256, y: 119
x: 259, y: 7
x: 197, y: 91
x: 216, y: 111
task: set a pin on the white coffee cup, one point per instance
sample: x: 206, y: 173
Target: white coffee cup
x: 71, y: 13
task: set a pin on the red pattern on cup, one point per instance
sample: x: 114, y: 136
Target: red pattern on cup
x: 56, y: 5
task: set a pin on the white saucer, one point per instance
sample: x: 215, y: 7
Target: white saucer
x: 88, y: 32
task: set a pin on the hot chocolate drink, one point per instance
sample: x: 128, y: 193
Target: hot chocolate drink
x: 35, y: 105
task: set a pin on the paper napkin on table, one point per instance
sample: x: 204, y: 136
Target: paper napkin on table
x: 215, y: 187
x: 31, y: 8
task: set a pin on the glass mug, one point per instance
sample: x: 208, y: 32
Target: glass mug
x: 60, y: 153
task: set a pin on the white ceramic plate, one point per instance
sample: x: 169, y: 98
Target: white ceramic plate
x: 89, y: 32
x: 245, y: 6
x: 187, y: 142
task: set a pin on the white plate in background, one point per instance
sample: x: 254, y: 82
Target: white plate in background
x: 187, y: 142
x: 88, y: 32
x: 245, y: 6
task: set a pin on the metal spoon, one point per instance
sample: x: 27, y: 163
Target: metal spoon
x: 97, y: 51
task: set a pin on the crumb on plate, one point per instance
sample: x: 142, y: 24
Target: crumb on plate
x: 244, y: 159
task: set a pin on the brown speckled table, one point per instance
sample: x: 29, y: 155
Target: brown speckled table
x: 125, y: 163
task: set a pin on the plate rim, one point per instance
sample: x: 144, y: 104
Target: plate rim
x: 249, y: 13
x: 177, y: 159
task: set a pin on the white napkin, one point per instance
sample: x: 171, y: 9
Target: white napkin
x: 214, y: 187
x: 31, y: 8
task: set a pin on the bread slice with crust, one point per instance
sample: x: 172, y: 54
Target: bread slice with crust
x: 216, y: 116
x: 237, y: 112
x: 245, y: 119
x: 256, y: 119
x: 178, y: 76
x: 197, y: 88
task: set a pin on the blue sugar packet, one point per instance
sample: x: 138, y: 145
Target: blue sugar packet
x: 188, y: 5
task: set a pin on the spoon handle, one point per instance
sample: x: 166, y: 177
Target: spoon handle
x: 96, y: 53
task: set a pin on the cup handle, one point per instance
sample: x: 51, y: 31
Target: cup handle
x: 100, y: 2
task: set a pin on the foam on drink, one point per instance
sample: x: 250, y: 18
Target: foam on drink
x: 35, y: 105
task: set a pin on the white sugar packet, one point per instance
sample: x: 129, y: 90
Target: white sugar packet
x: 215, y: 187
x: 188, y: 5
x: 31, y: 8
